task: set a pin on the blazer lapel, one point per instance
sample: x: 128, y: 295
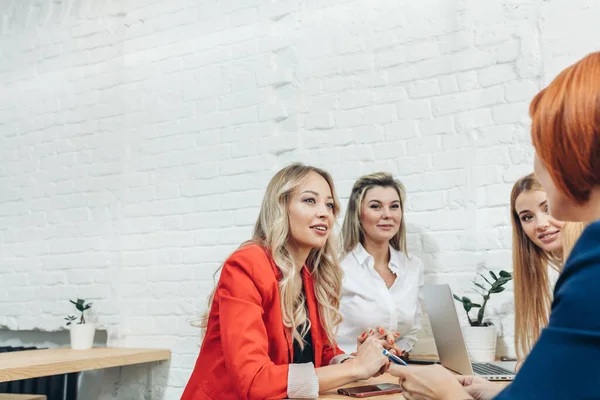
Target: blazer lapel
x: 313, y: 315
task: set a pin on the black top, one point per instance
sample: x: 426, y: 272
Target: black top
x: 307, y: 355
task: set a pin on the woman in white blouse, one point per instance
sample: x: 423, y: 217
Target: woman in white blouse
x: 381, y: 289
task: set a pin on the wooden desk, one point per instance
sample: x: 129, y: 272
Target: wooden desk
x: 385, y: 378
x: 22, y: 396
x: 36, y: 363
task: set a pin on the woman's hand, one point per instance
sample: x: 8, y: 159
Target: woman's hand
x: 369, y: 359
x: 432, y: 382
x: 480, y: 388
x: 387, y: 337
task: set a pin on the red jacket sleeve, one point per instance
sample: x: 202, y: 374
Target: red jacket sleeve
x: 329, y: 352
x: 244, y: 335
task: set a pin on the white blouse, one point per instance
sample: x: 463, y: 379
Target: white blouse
x: 366, y: 301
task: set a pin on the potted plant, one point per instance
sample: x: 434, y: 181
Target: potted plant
x: 82, y: 333
x: 480, y: 335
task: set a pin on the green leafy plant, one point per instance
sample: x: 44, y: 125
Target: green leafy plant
x: 497, y: 286
x: 81, y: 307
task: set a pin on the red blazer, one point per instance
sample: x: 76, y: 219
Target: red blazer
x: 246, y: 350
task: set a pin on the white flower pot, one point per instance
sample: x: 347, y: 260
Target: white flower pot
x: 481, y: 342
x: 82, y: 336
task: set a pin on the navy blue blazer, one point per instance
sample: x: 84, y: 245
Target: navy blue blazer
x: 565, y: 362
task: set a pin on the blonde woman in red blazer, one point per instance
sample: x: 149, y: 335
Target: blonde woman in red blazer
x: 270, y: 330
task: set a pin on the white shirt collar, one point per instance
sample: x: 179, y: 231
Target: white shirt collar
x: 362, y: 256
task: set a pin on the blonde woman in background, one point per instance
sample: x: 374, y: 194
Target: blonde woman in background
x: 270, y: 328
x: 381, y: 289
x: 541, y: 245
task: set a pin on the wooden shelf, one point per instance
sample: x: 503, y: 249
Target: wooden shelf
x: 35, y: 363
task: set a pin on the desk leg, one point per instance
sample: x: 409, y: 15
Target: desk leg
x: 72, y: 386
x: 90, y: 384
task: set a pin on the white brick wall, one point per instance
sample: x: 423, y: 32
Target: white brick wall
x: 136, y: 139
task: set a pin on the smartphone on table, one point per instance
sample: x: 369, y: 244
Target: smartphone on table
x: 371, y: 390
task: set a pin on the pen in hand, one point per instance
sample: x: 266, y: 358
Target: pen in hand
x: 394, y: 358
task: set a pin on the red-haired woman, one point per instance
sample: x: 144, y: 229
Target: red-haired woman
x: 564, y: 363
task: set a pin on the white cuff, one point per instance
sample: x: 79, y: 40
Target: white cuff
x: 340, y: 358
x: 302, y: 381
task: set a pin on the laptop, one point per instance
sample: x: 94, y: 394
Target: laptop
x: 449, y: 340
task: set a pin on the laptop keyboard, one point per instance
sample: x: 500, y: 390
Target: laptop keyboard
x: 490, y: 369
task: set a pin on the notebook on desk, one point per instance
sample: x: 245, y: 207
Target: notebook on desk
x: 449, y: 339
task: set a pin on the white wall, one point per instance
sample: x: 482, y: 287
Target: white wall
x: 137, y: 137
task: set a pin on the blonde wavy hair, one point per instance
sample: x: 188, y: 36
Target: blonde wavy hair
x: 272, y: 231
x: 570, y: 235
x: 352, y: 231
x: 532, y: 291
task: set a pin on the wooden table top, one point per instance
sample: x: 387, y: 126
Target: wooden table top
x: 36, y: 363
x: 385, y: 378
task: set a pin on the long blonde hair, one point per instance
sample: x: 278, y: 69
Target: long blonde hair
x: 531, y: 283
x: 570, y: 235
x: 352, y: 231
x: 272, y: 231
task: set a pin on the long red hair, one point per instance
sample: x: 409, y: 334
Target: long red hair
x: 565, y: 128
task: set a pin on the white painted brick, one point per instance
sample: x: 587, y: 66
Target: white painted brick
x: 277, y: 10
x: 521, y: 155
x: 515, y: 172
x: 441, y: 220
x: 443, y: 180
x: 497, y: 135
x: 452, y: 159
x: 390, y: 58
x: 414, y: 109
x: 488, y: 174
x: 414, y: 165
x: 497, y: 74
x: 448, y: 84
x: 389, y: 150
x: 467, y: 101
x: 243, y: 17
x: 455, y: 41
x: 521, y: 90
x: 349, y: 100
x: 443, y: 125
x: 498, y: 195
x: 272, y: 112
x: 492, y: 156
x: 321, y: 121
x: 466, y: 121
x: 468, y: 81
x: 241, y: 99
x: 508, y: 113
x: 402, y: 129
x: 424, y: 145
x: 345, y: 119
x: 388, y: 94
x: 357, y: 62
x: 379, y: 114
x: 506, y: 52
x: 347, y: 46
x: 425, y: 201
x: 424, y: 88
x: 367, y: 134
x: 326, y: 102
